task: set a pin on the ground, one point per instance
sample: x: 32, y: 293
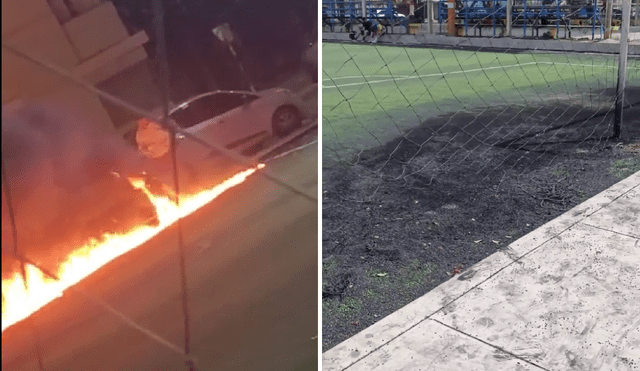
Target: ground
x: 404, y: 212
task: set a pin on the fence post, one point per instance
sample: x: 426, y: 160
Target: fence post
x: 607, y: 30
x: 429, y: 5
x: 451, y: 19
x: 622, y: 66
x: 509, y: 16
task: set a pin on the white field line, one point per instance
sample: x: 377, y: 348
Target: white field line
x: 400, y: 78
x: 365, y: 76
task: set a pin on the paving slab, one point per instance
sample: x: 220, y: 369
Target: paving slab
x: 622, y: 216
x: 574, y: 216
x: 433, y: 346
x: 563, y: 297
x: 567, y: 306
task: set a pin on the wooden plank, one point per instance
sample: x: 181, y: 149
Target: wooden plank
x: 96, y: 30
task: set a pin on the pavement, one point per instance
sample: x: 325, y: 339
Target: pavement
x: 252, y: 275
x: 564, y: 297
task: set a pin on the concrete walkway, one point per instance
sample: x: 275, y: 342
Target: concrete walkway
x: 564, y: 297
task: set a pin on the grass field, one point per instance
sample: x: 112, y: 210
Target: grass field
x: 371, y: 94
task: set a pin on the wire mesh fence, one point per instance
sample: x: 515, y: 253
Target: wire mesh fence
x: 479, y: 100
x: 114, y: 255
x: 435, y: 155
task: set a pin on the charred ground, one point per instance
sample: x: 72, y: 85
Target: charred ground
x: 411, y: 214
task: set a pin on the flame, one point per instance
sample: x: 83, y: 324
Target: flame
x: 19, y: 303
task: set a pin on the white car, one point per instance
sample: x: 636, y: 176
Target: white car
x: 231, y: 116
x: 228, y: 118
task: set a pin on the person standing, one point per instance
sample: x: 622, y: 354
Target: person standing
x: 374, y: 31
x: 377, y: 32
x: 366, y: 30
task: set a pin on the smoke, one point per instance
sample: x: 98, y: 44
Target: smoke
x: 60, y: 172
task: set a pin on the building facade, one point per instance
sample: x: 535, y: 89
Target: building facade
x: 86, y: 38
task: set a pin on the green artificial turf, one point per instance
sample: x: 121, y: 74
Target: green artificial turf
x: 372, y: 93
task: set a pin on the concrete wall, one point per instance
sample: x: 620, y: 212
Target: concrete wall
x: 85, y: 37
x: 489, y: 43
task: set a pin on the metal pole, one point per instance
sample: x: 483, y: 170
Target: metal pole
x: 493, y: 17
x: 558, y: 18
x: 391, y: 8
x: 622, y: 66
x: 466, y: 17
x: 429, y: 5
x: 607, y: 29
x: 594, y: 3
x: 161, y: 56
x: 525, y: 16
x: 509, y: 16
x: 233, y: 52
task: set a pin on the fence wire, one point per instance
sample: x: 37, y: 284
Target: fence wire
x: 433, y: 148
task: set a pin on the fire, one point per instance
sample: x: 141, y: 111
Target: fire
x: 19, y: 303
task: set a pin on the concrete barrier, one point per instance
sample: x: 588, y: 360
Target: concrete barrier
x: 488, y: 43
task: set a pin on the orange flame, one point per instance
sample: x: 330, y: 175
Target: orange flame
x: 20, y: 303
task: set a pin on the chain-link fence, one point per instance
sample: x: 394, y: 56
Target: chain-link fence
x: 122, y: 123
x: 439, y: 150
